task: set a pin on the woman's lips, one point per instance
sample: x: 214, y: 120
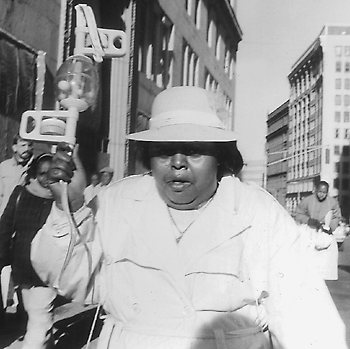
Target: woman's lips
x: 178, y: 185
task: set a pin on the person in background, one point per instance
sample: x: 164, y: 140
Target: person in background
x: 312, y: 210
x: 13, y: 170
x: 12, y: 173
x: 322, y: 213
x: 25, y: 213
x: 92, y: 190
x: 186, y: 255
x: 106, y: 176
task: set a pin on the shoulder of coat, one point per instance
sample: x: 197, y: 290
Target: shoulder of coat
x: 133, y: 187
x: 249, y: 194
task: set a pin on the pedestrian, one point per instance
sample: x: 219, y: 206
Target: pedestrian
x: 25, y: 213
x: 186, y: 255
x: 93, y: 188
x: 12, y: 173
x: 322, y: 213
x: 106, y: 176
x: 13, y: 170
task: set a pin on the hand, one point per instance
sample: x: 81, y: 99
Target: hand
x: 328, y: 218
x: 67, y: 168
x: 314, y: 223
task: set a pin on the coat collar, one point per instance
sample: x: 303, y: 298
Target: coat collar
x: 154, y: 244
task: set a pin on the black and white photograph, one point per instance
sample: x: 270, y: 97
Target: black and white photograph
x: 174, y: 174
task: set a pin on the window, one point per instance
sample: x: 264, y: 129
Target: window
x: 218, y: 47
x: 346, y: 50
x: 345, y: 167
x: 338, y: 84
x: 198, y: 13
x: 210, y: 33
x: 338, y: 51
x: 338, y: 66
x: 336, y: 183
x: 346, y: 116
x: 345, y: 184
x: 336, y: 150
x: 346, y: 100
x: 337, y: 167
x: 347, y: 84
x: 337, y: 100
x: 189, y: 6
x: 336, y: 135
x: 347, y: 67
x: 337, y: 116
x: 346, y: 150
x: 347, y: 133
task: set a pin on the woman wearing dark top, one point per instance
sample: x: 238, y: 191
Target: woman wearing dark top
x: 25, y: 213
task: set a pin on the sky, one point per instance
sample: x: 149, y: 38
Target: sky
x: 275, y: 34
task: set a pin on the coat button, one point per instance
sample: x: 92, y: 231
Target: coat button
x: 136, y: 308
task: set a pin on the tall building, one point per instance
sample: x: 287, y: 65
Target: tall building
x: 319, y: 128
x: 170, y: 43
x: 276, y: 150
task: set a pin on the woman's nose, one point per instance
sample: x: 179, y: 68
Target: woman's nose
x: 179, y: 161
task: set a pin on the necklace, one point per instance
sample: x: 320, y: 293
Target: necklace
x: 183, y: 219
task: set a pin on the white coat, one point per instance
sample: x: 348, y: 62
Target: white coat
x: 200, y: 293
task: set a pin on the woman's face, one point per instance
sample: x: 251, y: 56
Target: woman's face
x: 41, y: 176
x: 185, y: 173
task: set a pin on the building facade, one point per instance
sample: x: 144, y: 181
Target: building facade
x: 190, y: 42
x: 170, y: 43
x: 319, y: 128
x: 276, y: 151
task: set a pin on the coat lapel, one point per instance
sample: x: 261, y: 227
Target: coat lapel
x: 216, y: 225
x: 153, y: 243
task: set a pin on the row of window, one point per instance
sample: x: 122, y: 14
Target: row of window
x: 342, y: 150
x: 342, y: 100
x: 300, y: 171
x: 342, y: 66
x: 342, y: 51
x: 342, y: 83
x: 215, y: 39
x: 346, y: 116
x: 346, y: 133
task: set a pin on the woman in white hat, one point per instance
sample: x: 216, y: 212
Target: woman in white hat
x: 186, y: 256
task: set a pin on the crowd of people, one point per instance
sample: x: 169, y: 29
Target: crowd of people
x: 182, y: 256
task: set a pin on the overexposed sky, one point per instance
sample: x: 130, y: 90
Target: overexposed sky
x: 275, y: 34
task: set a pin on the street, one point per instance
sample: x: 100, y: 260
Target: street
x: 340, y: 289
x: 72, y: 322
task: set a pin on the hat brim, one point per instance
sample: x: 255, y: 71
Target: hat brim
x: 184, y: 133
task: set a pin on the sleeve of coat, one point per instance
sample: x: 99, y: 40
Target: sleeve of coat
x: 74, y: 271
x: 301, y: 311
x: 336, y: 215
x: 7, y: 226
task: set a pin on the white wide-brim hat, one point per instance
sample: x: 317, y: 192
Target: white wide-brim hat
x: 184, y: 114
